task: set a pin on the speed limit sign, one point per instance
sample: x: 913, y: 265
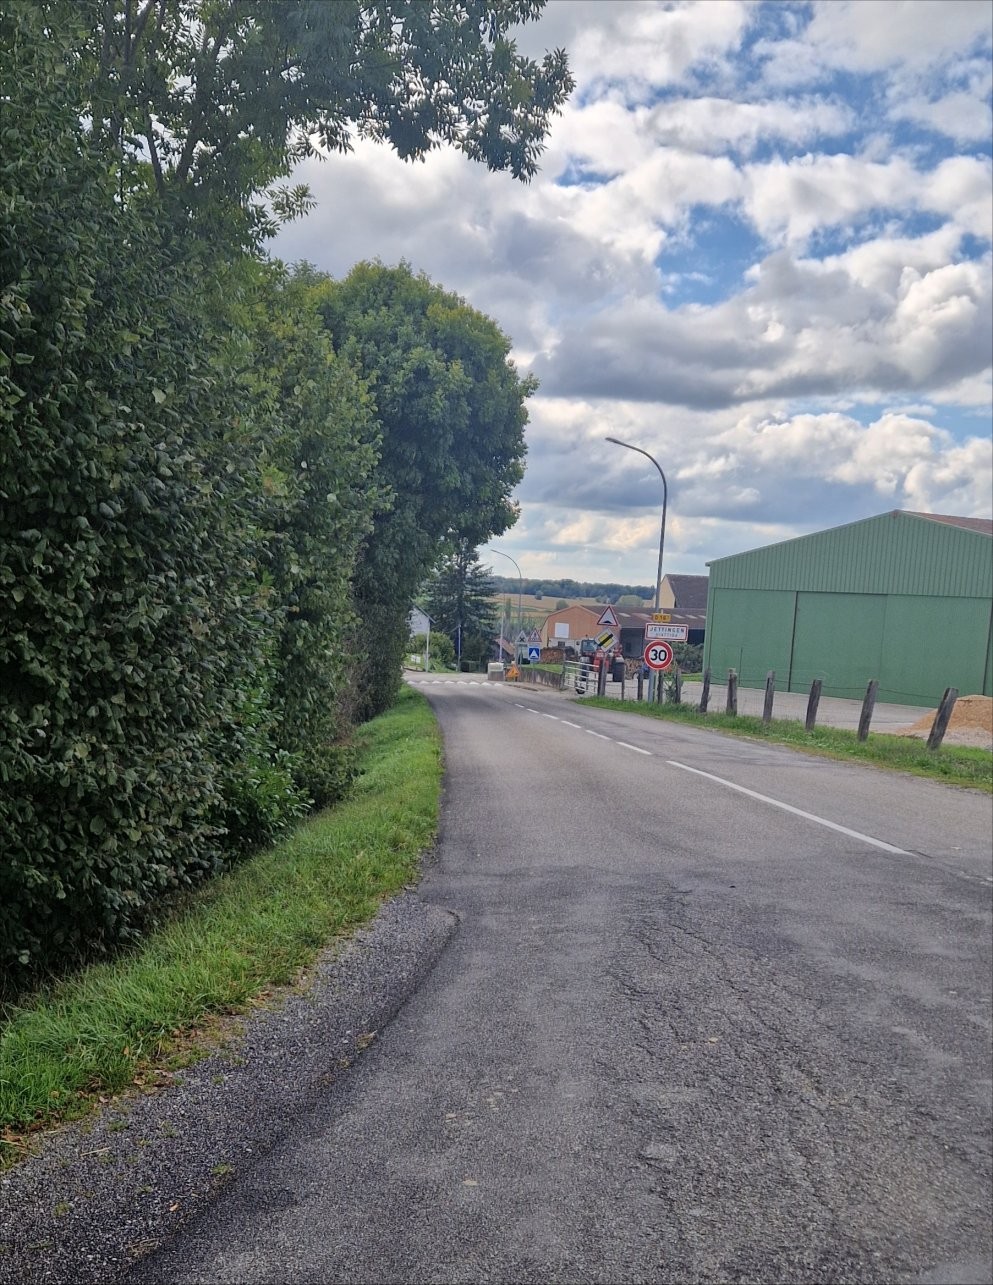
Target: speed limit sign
x: 658, y: 655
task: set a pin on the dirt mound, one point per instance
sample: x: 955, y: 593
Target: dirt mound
x: 971, y: 723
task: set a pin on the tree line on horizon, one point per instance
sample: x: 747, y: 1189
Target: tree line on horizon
x: 602, y: 591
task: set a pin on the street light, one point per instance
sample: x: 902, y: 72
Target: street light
x: 520, y: 594
x: 658, y: 578
x: 665, y: 501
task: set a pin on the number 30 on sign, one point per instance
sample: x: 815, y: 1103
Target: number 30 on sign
x: 658, y: 655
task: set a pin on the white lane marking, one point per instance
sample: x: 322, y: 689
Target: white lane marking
x: 553, y: 717
x: 599, y: 735
x: 786, y: 807
x: 566, y: 722
x: 637, y: 749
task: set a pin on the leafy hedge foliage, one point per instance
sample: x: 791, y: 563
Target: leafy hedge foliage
x: 122, y: 649
x: 214, y: 508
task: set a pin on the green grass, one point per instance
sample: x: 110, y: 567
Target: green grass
x: 953, y: 764
x: 125, y: 1022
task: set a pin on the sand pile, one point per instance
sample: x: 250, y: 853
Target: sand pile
x: 971, y: 723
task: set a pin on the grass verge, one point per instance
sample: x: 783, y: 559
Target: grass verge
x: 953, y: 764
x: 114, y: 1024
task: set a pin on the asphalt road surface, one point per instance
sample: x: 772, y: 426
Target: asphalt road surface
x: 715, y: 1011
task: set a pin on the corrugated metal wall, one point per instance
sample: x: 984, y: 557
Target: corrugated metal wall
x: 892, y: 553
x: 900, y: 599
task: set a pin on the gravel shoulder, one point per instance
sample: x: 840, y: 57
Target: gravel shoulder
x: 100, y: 1194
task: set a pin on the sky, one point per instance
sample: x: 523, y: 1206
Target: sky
x: 758, y: 248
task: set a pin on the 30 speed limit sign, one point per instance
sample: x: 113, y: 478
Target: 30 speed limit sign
x: 658, y: 655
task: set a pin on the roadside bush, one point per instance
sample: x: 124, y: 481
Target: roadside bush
x: 689, y: 657
x: 261, y: 801
x: 319, y: 439
x: 126, y: 634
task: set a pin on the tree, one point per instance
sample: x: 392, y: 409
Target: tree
x: 318, y: 442
x: 460, y: 600
x: 451, y: 412
x: 208, y: 102
x: 439, y: 648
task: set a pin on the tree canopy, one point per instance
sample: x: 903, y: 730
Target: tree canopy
x: 461, y: 602
x: 214, y: 100
x: 451, y: 409
x: 220, y: 482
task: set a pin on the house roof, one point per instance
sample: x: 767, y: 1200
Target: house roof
x: 983, y: 525
x: 693, y: 619
x: 689, y: 591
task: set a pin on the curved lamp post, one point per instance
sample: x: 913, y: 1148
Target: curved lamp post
x: 653, y: 677
x: 665, y: 500
x: 520, y: 595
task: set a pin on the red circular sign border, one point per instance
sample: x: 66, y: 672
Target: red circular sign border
x: 658, y: 642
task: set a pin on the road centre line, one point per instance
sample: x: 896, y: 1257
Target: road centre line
x: 599, y: 735
x: 637, y: 749
x: 786, y: 807
x: 566, y: 723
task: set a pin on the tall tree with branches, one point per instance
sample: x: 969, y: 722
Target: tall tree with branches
x: 461, y: 602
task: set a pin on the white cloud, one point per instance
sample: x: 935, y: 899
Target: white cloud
x: 791, y: 200
x: 962, y: 188
x: 709, y: 124
x: 961, y: 115
x: 747, y: 393
x: 642, y: 46
x: 871, y: 35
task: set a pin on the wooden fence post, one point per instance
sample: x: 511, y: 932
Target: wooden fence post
x: 868, y: 705
x: 705, y: 693
x: 732, y: 702
x: 940, y: 724
x: 813, y: 700
x: 679, y: 686
x: 641, y: 683
x: 601, y: 678
x: 770, y: 692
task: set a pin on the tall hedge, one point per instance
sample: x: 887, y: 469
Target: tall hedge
x: 318, y: 441
x: 122, y: 647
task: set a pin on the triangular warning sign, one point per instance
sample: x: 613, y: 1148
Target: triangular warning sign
x: 607, y: 617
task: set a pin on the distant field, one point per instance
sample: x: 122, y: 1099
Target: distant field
x: 532, y: 606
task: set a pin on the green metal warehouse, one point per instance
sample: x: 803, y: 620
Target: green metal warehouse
x: 905, y: 598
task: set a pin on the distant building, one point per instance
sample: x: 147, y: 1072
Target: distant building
x: 687, y: 593
x: 903, y: 598
x: 419, y: 622
x: 569, y: 625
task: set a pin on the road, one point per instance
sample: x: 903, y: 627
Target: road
x: 716, y: 1011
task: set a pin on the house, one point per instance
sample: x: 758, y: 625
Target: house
x: 419, y: 622
x: 684, y: 593
x: 569, y: 625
